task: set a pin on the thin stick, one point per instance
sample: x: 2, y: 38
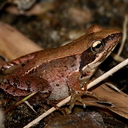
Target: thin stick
x: 107, y: 74
x: 63, y: 102
x: 117, y: 56
x: 90, y: 85
x: 21, y: 101
x: 124, y: 35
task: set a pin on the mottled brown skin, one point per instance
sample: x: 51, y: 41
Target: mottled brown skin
x: 59, y: 69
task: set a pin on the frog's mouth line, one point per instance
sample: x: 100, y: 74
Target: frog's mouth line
x: 111, y: 43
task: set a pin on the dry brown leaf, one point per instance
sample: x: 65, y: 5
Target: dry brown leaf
x: 110, y: 99
x: 13, y: 44
x: 118, y: 100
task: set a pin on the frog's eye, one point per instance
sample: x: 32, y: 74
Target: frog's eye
x: 97, y: 46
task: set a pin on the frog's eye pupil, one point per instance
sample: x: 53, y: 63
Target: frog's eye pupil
x: 97, y: 46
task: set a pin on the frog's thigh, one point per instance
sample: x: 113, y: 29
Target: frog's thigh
x: 21, y: 84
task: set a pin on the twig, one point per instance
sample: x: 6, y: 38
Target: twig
x: 21, y: 101
x: 124, y: 34
x: 107, y: 74
x: 117, y: 57
x: 27, y: 103
x: 90, y: 85
x: 63, y: 102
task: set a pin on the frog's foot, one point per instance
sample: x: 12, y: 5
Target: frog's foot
x: 77, y: 96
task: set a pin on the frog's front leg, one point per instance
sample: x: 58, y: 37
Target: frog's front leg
x: 24, y: 85
x: 77, y: 91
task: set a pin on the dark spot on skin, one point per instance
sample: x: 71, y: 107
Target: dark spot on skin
x: 57, y: 84
x: 22, y: 65
x: 72, y: 65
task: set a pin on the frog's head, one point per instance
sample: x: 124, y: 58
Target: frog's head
x: 100, y: 43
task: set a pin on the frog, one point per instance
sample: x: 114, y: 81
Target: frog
x: 55, y: 71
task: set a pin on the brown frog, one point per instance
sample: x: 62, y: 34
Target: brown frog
x: 58, y: 69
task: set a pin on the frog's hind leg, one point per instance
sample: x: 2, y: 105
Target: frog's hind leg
x: 24, y: 85
x: 13, y: 90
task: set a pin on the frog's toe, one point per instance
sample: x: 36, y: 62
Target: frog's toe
x: 77, y: 96
x: 91, y: 94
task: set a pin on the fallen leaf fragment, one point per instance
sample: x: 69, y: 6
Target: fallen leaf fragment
x: 118, y: 100
x: 14, y: 44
